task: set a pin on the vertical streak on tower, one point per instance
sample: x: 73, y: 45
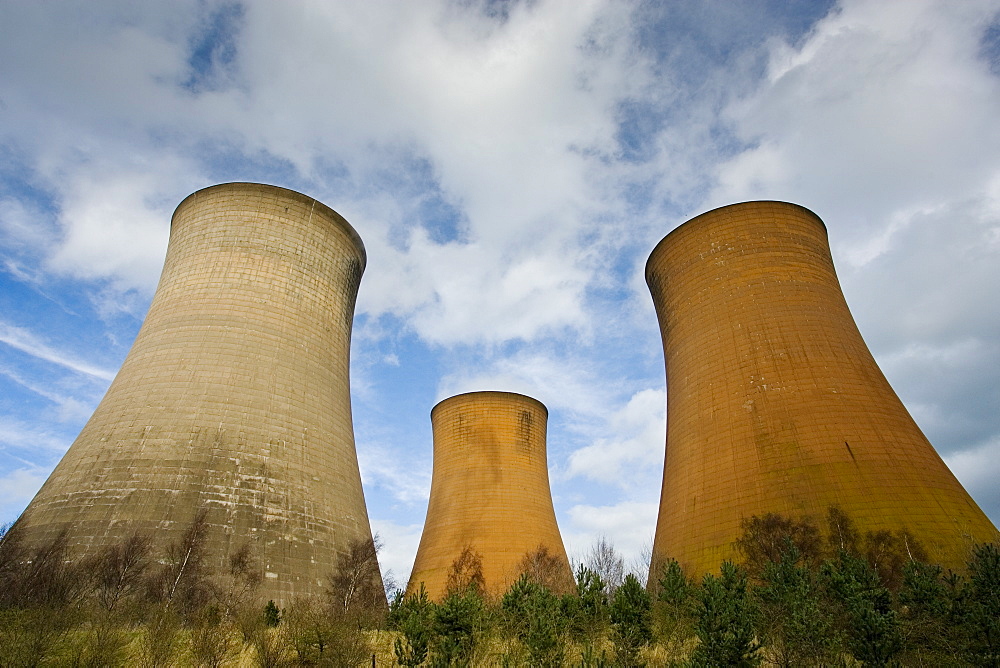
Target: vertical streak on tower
x: 489, y: 491
x: 775, y: 404
x: 234, y: 397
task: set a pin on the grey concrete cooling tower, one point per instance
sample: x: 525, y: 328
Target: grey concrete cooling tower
x: 234, y: 398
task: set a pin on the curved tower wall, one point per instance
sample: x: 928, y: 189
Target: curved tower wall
x: 489, y: 491
x: 234, y: 397
x: 775, y: 403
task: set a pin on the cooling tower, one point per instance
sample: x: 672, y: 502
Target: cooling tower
x: 234, y: 397
x: 775, y: 404
x: 489, y: 492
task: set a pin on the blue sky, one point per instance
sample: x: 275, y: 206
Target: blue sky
x: 509, y: 166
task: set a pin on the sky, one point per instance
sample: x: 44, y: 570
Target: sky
x: 509, y: 167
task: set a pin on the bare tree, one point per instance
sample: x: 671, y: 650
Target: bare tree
x: 13, y: 554
x: 765, y: 540
x: 183, y: 584
x: 467, y: 573
x: 605, y: 560
x: 240, y: 583
x: 356, y: 585
x: 548, y: 570
x: 118, y: 571
x: 212, y: 639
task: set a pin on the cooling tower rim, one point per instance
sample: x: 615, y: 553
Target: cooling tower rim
x: 291, y: 194
x: 487, y: 393
x: 702, y: 217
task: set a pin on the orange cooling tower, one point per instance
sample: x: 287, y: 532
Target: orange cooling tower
x: 775, y: 404
x: 233, y: 399
x: 489, y: 492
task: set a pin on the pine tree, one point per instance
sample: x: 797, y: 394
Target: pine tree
x: 726, y: 622
x: 867, y: 619
x: 630, y: 620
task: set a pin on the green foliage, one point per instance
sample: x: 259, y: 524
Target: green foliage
x: 589, y: 658
x: 672, y: 608
x: 136, y: 605
x: 30, y: 636
x: 456, y: 624
x: 535, y: 616
x: 272, y: 616
x: 931, y: 613
x: 864, y: 607
x: 587, y: 613
x: 726, y: 621
x: 308, y: 624
x: 413, y: 616
x: 794, y: 623
x: 984, y: 605
x: 631, y: 621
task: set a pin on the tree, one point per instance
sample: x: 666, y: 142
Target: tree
x: 672, y: 606
x: 272, y: 615
x: 888, y: 553
x: 843, y: 537
x: 764, y: 540
x: 467, y: 572
x: 13, y: 554
x: 240, y: 582
x: 604, y: 560
x: 864, y: 608
x: 321, y: 636
x: 356, y: 586
x: 183, y: 583
x: 984, y: 604
x: 413, y: 616
x: 119, y: 571
x: 630, y: 620
x: 794, y: 623
x: 456, y: 625
x: 931, y: 614
x: 726, y: 621
x: 548, y: 570
x: 587, y: 612
x: 535, y: 616
x: 211, y: 638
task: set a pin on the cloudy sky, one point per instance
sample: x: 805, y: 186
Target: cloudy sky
x: 509, y: 166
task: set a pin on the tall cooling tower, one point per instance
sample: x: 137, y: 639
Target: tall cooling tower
x: 234, y: 398
x: 489, y: 492
x: 775, y: 404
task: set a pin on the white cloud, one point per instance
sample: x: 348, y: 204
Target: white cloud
x: 24, y: 340
x: 399, y: 547
x: 404, y: 480
x: 634, y: 442
x: 629, y: 525
x: 885, y: 108
x: 563, y: 382
x: 113, y: 230
x: 69, y: 409
x: 17, y: 487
